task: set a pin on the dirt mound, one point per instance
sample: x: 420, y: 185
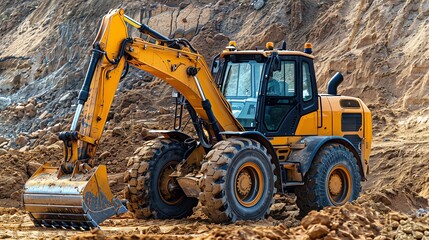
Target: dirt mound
x: 380, y: 46
x: 352, y: 221
x: 18, y: 166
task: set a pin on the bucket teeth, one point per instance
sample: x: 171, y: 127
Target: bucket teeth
x: 65, y: 225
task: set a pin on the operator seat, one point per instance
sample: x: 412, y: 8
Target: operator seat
x: 274, y: 113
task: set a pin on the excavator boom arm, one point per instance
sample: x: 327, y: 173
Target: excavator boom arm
x: 165, y: 62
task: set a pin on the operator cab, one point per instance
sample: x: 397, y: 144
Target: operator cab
x: 268, y: 90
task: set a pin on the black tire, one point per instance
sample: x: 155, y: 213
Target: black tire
x: 234, y: 162
x: 146, y: 194
x: 333, y: 164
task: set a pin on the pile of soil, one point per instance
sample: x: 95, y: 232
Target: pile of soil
x: 364, y: 219
x: 380, y: 47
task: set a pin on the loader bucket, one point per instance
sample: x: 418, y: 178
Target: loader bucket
x: 81, y: 202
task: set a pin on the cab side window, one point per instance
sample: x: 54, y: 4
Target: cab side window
x: 283, y: 82
x: 307, y: 91
x: 238, y: 80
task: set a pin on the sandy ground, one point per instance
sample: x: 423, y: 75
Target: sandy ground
x: 394, y: 205
x: 380, y: 46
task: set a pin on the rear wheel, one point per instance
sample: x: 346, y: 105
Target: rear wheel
x: 150, y: 191
x: 333, y: 179
x: 238, y: 181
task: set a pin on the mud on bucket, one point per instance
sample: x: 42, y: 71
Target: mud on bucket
x: 81, y: 202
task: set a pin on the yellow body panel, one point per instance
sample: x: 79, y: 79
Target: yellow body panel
x: 332, y: 123
x: 367, y: 122
x: 324, y: 120
x: 327, y: 121
x: 307, y: 125
x: 284, y: 140
x: 337, y: 112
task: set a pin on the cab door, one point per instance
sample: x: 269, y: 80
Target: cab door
x: 287, y: 94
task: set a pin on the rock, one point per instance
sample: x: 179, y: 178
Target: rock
x: 417, y: 235
x: 394, y: 224
x: 66, y: 97
x: 335, y: 225
x: 56, y: 128
x: 20, y: 111
x: 315, y: 218
x: 2, y: 140
x: 146, y: 134
x: 44, y: 114
x: 118, y: 132
x: 21, y: 140
x: 24, y: 149
x: 380, y: 238
x: 30, y: 110
x: 344, y: 234
x: 52, y: 139
x: 104, y: 155
x: 41, y: 148
x: 54, y: 147
x: 3, y: 151
x: 317, y: 231
x: 32, y: 167
x: 39, y: 133
x: 258, y: 4
x: 419, y: 227
x: 407, y: 229
x: 396, y: 216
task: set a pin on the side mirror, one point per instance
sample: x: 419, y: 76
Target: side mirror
x: 215, y: 64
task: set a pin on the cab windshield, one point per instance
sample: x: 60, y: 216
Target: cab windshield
x: 241, y: 88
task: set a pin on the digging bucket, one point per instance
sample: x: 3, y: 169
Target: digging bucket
x: 79, y: 202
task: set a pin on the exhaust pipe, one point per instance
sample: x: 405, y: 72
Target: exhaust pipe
x: 334, y: 82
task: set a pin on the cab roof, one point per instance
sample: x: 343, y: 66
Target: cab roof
x: 265, y: 53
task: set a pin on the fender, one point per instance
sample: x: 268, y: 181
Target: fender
x: 259, y: 137
x: 314, y: 143
x: 173, y: 134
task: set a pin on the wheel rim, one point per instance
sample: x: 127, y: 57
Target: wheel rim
x: 339, y: 185
x: 168, y: 188
x: 248, y: 184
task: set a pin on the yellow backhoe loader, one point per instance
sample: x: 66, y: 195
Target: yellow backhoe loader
x: 261, y: 128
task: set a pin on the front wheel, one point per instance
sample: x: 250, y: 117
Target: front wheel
x: 238, y: 181
x: 150, y: 190
x: 333, y: 179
